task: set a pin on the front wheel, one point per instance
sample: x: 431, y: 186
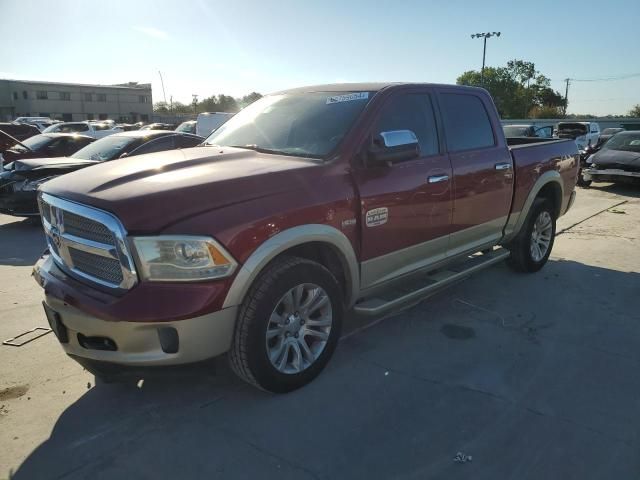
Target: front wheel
x: 531, y: 248
x: 288, y: 326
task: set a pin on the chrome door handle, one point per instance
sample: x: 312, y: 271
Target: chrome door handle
x: 503, y: 166
x: 438, y: 178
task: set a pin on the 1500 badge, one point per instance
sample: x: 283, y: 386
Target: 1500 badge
x: 377, y: 216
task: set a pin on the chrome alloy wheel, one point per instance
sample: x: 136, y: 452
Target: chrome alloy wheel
x: 541, y: 236
x: 299, y: 328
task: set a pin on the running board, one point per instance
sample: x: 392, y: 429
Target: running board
x: 429, y: 283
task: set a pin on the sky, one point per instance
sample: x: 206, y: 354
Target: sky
x: 208, y: 47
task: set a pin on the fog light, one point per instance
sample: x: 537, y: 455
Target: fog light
x: 169, y: 340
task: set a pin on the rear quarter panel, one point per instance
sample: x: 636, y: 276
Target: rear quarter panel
x: 533, y: 160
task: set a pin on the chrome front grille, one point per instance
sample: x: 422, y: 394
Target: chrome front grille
x: 100, y: 267
x: 86, y: 228
x: 88, y: 243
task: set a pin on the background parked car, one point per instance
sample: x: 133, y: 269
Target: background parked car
x: 607, y: 133
x: 43, y: 145
x: 158, y: 126
x: 19, y: 131
x: 617, y: 160
x: 187, y: 127
x: 19, y: 184
x: 584, y: 133
x: 39, y: 122
x: 209, y: 121
x: 527, y: 131
x: 95, y: 130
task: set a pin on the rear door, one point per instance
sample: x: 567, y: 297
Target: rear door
x: 482, y: 170
x: 405, y: 216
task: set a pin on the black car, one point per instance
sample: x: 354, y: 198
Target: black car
x: 20, y: 181
x: 19, y: 131
x: 42, y: 145
x: 606, y: 134
x: 617, y: 160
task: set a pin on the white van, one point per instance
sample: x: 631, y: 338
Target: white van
x: 208, y: 122
x: 584, y: 133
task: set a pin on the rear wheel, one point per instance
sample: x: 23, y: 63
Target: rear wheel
x: 288, y: 326
x: 532, y: 247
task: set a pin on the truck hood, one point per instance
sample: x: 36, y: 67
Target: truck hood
x: 616, y: 159
x: 150, y: 192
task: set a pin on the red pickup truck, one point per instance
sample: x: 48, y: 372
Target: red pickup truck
x: 307, y: 204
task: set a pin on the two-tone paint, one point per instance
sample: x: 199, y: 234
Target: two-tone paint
x: 259, y: 206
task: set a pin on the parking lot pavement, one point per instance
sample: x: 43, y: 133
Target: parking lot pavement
x: 533, y: 376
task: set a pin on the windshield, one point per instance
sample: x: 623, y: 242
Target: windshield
x: 628, y: 142
x: 612, y: 131
x: 106, y: 148
x: 37, y: 142
x: 511, y: 131
x: 187, y: 127
x: 298, y: 124
x: 577, y: 127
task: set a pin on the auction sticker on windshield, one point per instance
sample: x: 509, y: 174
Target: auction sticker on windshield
x: 349, y: 97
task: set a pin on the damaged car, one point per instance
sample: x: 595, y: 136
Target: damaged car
x: 617, y: 160
x: 20, y: 180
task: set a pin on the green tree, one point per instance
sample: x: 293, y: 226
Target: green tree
x: 518, y: 89
x: 635, y: 111
x: 249, y: 99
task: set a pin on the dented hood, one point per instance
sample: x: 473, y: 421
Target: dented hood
x: 149, y: 192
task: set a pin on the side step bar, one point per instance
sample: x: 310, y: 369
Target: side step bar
x: 429, y: 283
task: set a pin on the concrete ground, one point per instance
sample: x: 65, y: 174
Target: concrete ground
x: 533, y: 376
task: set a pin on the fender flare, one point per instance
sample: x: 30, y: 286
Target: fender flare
x: 516, y: 220
x: 287, y: 239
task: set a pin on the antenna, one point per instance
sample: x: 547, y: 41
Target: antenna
x: 162, y: 83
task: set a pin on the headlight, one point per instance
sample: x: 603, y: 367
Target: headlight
x: 32, y: 186
x: 182, y: 258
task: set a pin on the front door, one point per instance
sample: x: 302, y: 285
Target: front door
x: 405, y: 206
x: 482, y: 172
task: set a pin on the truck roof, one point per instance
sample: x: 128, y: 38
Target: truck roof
x: 369, y: 87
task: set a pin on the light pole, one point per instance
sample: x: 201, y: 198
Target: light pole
x: 484, y: 50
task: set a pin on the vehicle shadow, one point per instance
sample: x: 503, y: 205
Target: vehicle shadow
x: 206, y: 423
x: 21, y: 242
x: 622, y: 189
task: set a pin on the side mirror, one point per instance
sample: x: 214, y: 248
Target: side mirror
x: 394, y: 146
x: 125, y: 154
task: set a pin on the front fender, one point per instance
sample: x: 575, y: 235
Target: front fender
x: 287, y: 239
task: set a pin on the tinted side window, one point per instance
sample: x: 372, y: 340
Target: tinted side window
x: 188, y: 142
x: 412, y: 112
x: 466, y: 122
x: 157, y: 145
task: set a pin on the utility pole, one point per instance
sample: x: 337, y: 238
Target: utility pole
x: 484, y: 36
x: 195, y: 102
x: 566, y: 96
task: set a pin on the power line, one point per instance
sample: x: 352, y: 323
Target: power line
x: 607, y: 79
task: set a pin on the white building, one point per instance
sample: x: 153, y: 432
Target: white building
x: 130, y: 102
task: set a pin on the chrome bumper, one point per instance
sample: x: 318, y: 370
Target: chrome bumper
x: 589, y: 173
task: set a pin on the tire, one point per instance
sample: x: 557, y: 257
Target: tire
x: 291, y: 303
x: 581, y: 181
x: 524, y: 257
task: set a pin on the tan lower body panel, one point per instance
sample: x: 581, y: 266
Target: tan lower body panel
x: 138, y: 342
x: 382, y: 269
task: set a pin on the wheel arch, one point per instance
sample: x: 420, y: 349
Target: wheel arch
x: 549, y: 185
x: 317, y: 242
